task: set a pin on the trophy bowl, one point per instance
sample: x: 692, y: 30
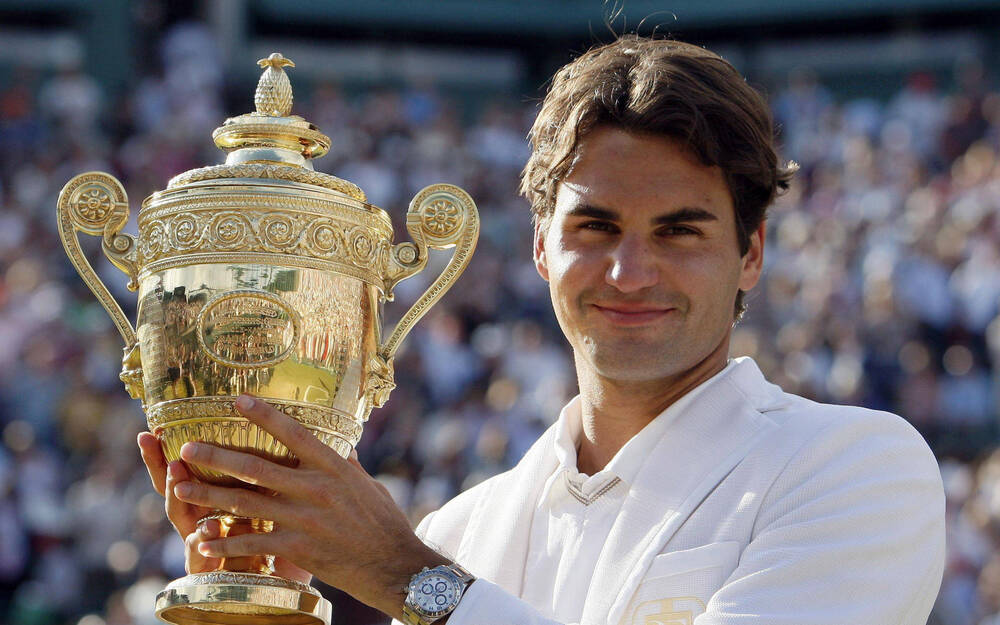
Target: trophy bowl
x: 261, y: 276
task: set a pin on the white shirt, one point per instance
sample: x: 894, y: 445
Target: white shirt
x: 575, y: 512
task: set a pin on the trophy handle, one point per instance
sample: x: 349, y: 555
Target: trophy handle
x: 95, y: 203
x: 440, y: 216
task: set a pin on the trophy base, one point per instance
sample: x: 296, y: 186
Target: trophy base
x: 231, y: 598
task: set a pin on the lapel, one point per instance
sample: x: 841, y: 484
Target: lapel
x: 710, y: 434
x: 495, y: 543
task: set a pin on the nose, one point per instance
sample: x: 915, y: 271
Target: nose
x: 632, y: 266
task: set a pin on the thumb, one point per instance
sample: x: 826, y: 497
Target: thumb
x: 194, y: 561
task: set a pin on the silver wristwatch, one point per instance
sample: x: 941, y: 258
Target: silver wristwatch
x: 435, y: 593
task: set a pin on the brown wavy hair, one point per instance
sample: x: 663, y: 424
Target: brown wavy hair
x: 660, y: 87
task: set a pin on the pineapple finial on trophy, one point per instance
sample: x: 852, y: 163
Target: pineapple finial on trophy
x: 274, y: 92
x: 271, y: 135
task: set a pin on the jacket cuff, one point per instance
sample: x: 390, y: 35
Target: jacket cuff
x: 485, y: 603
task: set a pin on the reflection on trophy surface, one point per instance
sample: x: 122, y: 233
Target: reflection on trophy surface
x: 263, y: 276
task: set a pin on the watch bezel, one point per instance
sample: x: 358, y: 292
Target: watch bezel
x: 413, y: 592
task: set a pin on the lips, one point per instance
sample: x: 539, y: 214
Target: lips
x: 629, y: 314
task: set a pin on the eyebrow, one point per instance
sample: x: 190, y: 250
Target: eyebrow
x: 681, y: 215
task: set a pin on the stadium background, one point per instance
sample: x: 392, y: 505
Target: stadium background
x: 882, y: 267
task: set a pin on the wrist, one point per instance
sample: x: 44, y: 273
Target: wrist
x: 435, y: 593
x: 397, y: 577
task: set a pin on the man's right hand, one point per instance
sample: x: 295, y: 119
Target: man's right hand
x: 184, y: 516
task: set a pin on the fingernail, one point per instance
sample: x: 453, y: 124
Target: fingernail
x: 244, y: 402
x: 209, y: 549
x: 171, y: 471
x: 183, y: 489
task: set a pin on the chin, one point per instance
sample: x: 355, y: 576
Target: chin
x: 653, y: 363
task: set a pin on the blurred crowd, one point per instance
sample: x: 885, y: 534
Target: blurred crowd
x: 881, y: 288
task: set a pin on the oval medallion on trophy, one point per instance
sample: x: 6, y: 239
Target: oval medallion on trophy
x: 247, y: 329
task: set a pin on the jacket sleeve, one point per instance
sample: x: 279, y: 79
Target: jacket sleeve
x: 485, y: 603
x: 851, y: 531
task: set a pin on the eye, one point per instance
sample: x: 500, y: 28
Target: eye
x: 599, y: 226
x: 673, y: 231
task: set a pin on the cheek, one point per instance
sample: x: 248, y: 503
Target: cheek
x: 572, y: 274
x: 563, y: 287
x: 570, y: 268
x: 708, y: 276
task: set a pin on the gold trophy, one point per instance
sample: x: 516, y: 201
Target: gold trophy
x: 264, y: 276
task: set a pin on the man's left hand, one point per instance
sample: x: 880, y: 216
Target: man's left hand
x: 330, y: 517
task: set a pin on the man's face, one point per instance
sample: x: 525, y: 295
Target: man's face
x: 641, y: 257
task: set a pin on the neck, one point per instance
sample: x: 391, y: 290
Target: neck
x: 614, y: 411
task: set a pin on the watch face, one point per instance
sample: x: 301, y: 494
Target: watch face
x: 435, y: 593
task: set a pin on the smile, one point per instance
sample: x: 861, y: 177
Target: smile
x: 629, y: 315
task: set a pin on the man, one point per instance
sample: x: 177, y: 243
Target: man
x: 679, y: 486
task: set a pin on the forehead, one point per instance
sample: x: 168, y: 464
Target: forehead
x: 636, y: 173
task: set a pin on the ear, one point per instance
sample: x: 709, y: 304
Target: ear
x: 541, y: 263
x: 753, y: 260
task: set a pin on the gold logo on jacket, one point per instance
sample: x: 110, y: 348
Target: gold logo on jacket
x: 671, y: 611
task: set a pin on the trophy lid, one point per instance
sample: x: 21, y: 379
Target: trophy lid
x: 272, y: 125
x: 271, y: 142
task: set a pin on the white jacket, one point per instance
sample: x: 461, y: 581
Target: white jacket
x: 756, y: 507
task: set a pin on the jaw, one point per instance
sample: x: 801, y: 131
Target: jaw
x: 659, y: 354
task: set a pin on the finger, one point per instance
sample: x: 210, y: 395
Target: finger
x: 210, y: 529
x: 298, y: 439
x: 194, y: 560
x: 243, y: 466
x: 242, y: 545
x: 238, y: 501
x: 178, y: 512
x: 285, y: 568
x: 156, y: 464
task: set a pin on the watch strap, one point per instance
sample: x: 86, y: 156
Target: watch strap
x: 412, y: 618
x: 463, y: 576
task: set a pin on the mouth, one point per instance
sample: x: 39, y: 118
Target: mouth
x: 632, y: 314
